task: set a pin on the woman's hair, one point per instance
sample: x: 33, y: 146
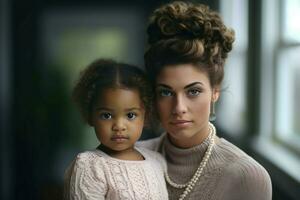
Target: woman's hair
x: 183, y: 32
x: 103, y: 74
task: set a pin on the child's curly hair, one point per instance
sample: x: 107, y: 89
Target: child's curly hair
x: 182, y: 32
x: 106, y: 73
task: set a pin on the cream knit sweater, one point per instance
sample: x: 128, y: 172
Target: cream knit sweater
x: 230, y: 174
x: 94, y: 175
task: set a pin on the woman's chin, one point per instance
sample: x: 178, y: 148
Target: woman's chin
x: 180, y: 134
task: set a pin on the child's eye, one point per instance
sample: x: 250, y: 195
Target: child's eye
x: 165, y: 93
x: 193, y: 92
x: 131, y: 115
x: 105, y: 116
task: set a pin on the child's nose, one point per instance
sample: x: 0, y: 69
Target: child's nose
x: 119, y: 125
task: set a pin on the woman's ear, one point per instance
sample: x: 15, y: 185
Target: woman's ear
x: 215, y: 93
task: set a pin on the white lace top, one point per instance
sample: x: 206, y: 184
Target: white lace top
x: 95, y: 175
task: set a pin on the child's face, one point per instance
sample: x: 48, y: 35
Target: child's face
x: 118, y: 118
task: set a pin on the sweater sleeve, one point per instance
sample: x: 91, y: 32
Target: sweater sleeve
x: 85, y: 179
x: 246, y: 179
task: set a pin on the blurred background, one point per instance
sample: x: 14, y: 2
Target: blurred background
x: 45, y: 44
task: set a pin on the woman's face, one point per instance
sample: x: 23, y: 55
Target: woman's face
x: 183, y: 99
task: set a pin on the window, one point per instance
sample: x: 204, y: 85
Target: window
x: 287, y: 127
x: 231, y: 113
x: 277, y: 48
x: 279, y: 135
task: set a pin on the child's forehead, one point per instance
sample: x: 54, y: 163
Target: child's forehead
x: 119, y: 97
x: 116, y: 90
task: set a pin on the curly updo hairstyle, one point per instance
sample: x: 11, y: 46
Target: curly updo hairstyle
x: 182, y: 33
x: 103, y: 74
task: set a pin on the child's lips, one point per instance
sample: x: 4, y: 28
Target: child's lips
x: 119, y: 138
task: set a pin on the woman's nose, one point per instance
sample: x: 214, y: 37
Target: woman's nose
x: 179, y: 106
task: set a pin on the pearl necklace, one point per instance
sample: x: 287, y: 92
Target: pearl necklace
x: 189, y: 185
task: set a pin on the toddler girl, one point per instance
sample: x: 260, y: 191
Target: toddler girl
x: 115, y: 99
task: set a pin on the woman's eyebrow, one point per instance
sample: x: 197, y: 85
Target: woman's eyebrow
x: 185, y: 87
x: 192, y: 84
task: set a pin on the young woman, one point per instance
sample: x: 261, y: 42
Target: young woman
x: 114, y: 98
x: 188, y: 46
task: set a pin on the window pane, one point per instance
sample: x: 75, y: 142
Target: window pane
x: 235, y: 15
x: 232, y: 110
x: 288, y: 94
x: 291, y: 18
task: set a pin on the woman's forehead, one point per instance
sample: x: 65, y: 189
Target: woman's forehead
x: 182, y: 75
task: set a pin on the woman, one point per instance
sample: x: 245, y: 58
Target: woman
x: 188, y: 46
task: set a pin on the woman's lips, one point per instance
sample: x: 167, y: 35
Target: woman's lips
x: 181, y: 123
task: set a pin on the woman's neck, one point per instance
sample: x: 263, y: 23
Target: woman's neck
x: 127, y: 154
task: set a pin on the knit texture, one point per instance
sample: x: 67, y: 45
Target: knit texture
x: 95, y: 175
x: 230, y: 173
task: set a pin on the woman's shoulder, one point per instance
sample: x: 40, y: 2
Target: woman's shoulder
x: 232, y: 153
x: 235, y: 158
x: 245, y: 174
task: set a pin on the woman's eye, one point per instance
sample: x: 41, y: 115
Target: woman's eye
x: 165, y: 93
x: 131, y: 115
x: 194, y: 92
x: 105, y: 116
